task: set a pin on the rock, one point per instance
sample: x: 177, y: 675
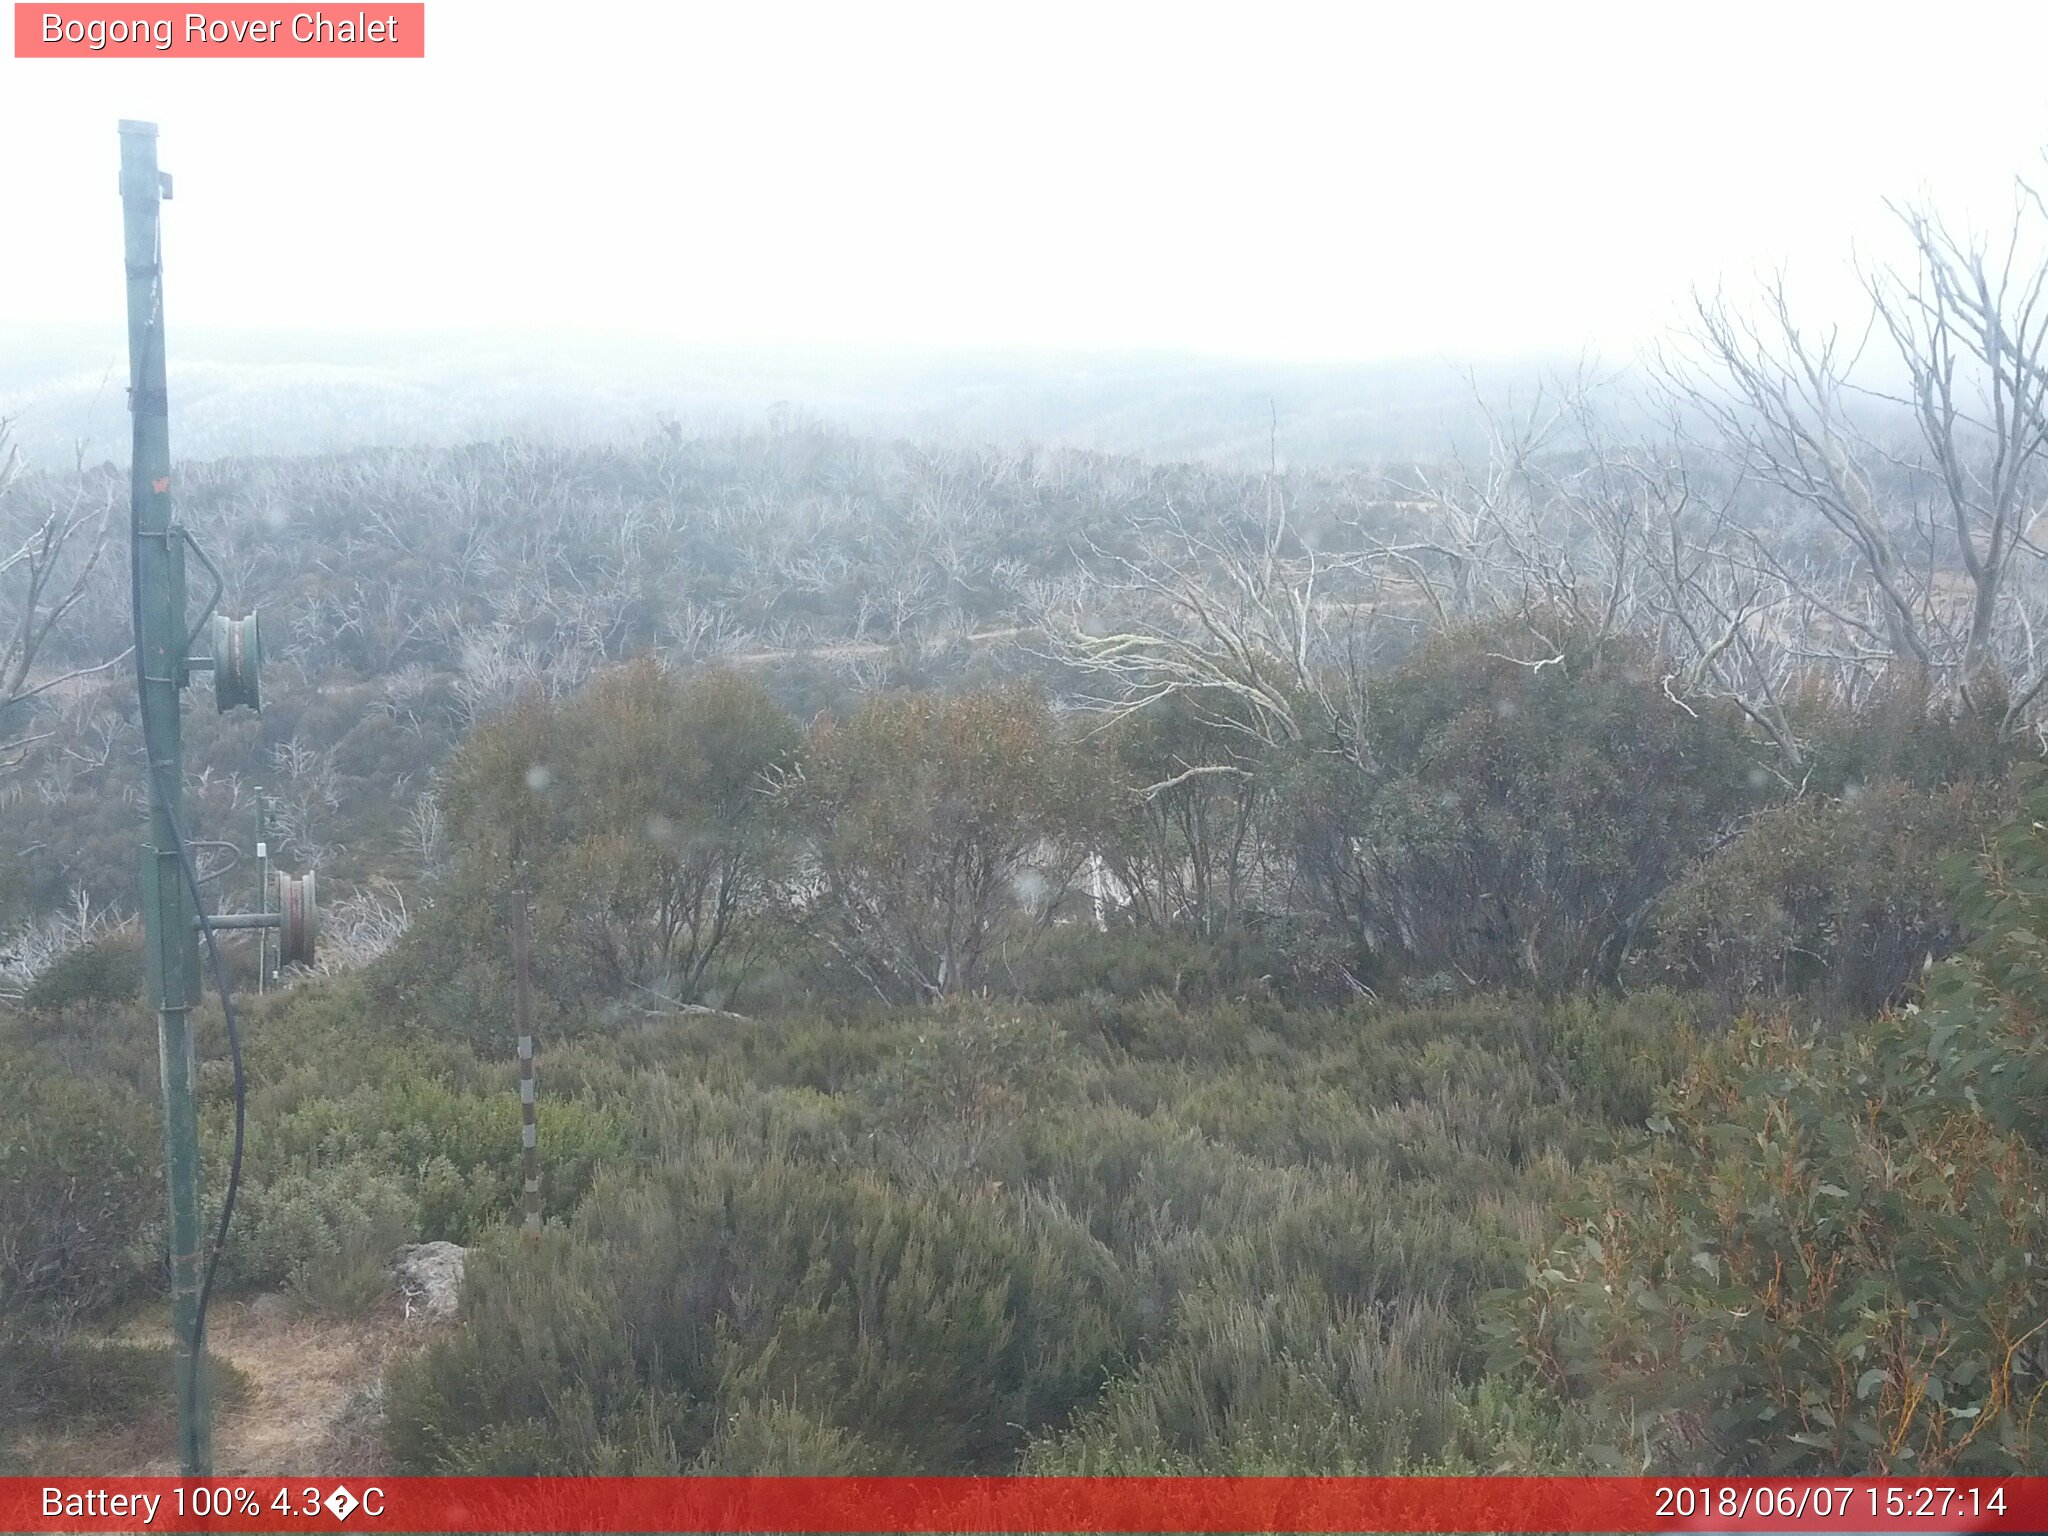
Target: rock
x: 430, y: 1277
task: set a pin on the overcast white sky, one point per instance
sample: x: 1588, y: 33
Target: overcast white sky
x: 1336, y: 181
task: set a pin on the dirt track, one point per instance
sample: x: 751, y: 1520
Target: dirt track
x: 308, y: 1407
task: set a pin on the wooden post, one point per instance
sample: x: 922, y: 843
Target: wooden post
x: 262, y: 895
x: 529, y: 1126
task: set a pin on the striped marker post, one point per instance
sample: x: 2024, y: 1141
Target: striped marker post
x: 529, y: 1126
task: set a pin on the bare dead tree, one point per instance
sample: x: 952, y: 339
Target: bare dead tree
x: 43, y: 577
x: 1971, y: 326
x: 425, y: 835
x: 31, y: 949
x: 359, y: 927
x: 1928, y: 499
x: 1552, y: 526
x: 1567, y: 522
x: 1727, y: 618
x: 1260, y: 627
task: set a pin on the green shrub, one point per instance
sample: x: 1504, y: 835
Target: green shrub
x: 1127, y: 961
x: 783, y: 1440
x: 327, y: 1038
x: 100, y: 1042
x: 1900, y: 734
x: 1187, y: 1216
x: 939, y: 1327
x: 1414, y: 1089
x: 1825, y: 1259
x: 636, y: 815
x: 1515, y: 820
x: 107, y: 971
x: 949, y: 1107
x: 926, y: 818
x: 1155, y: 1026
x: 1618, y: 1053
x: 1813, y: 1268
x: 682, y: 1115
x: 1286, y: 1385
x: 457, y: 1152
x: 1840, y: 902
x: 541, y: 1377
x: 328, y: 1237
x: 80, y: 1180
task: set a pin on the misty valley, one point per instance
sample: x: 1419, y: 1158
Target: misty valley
x: 879, y: 746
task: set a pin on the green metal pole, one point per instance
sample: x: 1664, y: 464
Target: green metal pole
x: 167, y: 908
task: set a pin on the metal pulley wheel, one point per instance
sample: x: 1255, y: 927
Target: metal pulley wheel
x: 237, y: 663
x: 299, y: 919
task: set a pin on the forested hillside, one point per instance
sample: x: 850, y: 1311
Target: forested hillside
x: 1514, y: 959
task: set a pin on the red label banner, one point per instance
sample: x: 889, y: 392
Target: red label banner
x: 224, y: 31
x: 783, y: 1506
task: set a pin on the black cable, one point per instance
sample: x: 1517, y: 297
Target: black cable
x: 154, y: 337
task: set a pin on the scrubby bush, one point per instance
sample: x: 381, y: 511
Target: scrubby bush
x: 662, y: 784
x: 929, y: 821
x: 1517, y: 817
x: 80, y: 1183
x: 1900, y: 734
x: 636, y: 815
x: 1826, y: 1258
x: 1280, y: 1384
x: 783, y: 1440
x: 1618, y: 1053
x: 1841, y: 902
x: 455, y: 1153
x: 108, y: 970
x: 114, y: 1042
x: 1811, y: 1269
x: 939, y: 1326
x: 1258, y: 1385
x: 951, y: 1105
x: 327, y: 1237
x: 1123, y: 960
x: 1186, y: 851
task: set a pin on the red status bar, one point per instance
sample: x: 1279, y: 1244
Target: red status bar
x: 1023, y: 1504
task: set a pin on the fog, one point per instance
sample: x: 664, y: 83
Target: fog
x: 1365, y: 927
x: 1319, y: 186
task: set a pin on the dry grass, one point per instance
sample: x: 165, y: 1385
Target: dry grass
x: 308, y: 1402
